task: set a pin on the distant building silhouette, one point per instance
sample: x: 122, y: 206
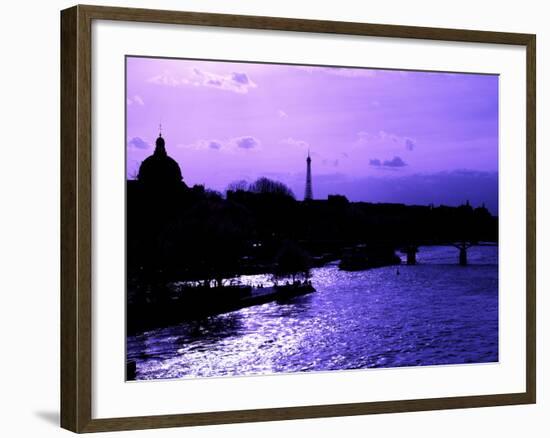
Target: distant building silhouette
x: 160, y: 169
x: 337, y: 200
x: 309, y: 191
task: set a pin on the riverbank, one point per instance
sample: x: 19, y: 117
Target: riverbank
x: 195, y: 303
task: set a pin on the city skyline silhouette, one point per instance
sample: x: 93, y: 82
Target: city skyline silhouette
x: 299, y: 219
x: 374, y: 135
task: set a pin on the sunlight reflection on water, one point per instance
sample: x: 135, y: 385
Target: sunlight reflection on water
x: 434, y: 313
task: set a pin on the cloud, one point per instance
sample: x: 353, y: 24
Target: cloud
x: 247, y: 142
x: 333, y: 163
x: 363, y: 137
x: 388, y: 136
x: 282, y: 114
x: 166, y: 78
x: 138, y: 143
x: 409, y: 144
x: 135, y: 100
x: 237, y: 82
x: 228, y: 145
x: 294, y: 142
x: 240, y: 78
x: 468, y: 173
x: 351, y: 72
x: 341, y: 71
x: 394, y: 162
x: 385, y: 139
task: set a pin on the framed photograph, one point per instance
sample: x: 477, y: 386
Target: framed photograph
x: 270, y: 218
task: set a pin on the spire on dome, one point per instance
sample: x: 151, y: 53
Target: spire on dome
x: 160, y: 149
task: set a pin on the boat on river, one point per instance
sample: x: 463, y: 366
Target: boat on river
x: 362, y: 257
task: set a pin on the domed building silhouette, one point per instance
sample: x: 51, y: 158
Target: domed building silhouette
x: 160, y: 169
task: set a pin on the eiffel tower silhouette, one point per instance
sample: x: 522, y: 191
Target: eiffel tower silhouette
x: 309, y: 191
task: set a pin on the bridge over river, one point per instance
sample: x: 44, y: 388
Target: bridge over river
x: 411, y: 250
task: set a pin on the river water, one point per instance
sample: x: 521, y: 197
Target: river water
x: 433, y: 313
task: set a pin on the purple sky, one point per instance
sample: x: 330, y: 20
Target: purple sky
x: 374, y: 135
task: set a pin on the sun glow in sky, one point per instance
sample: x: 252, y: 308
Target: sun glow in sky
x: 373, y: 135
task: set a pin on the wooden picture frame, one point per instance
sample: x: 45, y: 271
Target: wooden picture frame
x: 76, y: 217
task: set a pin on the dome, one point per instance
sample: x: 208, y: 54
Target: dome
x: 159, y: 168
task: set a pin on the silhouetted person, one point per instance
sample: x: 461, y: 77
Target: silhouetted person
x: 463, y: 252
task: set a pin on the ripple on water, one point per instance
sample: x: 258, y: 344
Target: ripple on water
x: 431, y: 314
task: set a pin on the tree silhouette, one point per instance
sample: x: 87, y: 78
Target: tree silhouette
x: 213, y: 235
x: 237, y: 186
x: 268, y: 186
x: 292, y: 261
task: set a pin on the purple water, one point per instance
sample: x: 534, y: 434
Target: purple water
x: 430, y: 314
